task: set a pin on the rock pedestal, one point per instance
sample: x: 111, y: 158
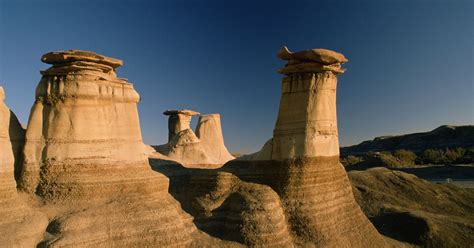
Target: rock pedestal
x: 307, y: 122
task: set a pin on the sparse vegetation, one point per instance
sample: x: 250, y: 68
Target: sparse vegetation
x: 351, y: 160
x: 405, y: 158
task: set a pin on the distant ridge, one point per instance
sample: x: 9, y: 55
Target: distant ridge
x: 445, y: 136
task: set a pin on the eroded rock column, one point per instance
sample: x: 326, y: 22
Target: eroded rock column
x: 307, y: 122
x: 301, y: 161
x: 314, y: 186
x: 178, y: 121
x: 203, y: 149
x: 84, y: 119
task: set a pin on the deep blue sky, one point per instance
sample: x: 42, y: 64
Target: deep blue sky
x: 410, y: 62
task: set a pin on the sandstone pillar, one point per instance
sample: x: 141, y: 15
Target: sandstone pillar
x: 179, y: 120
x: 307, y: 122
x: 83, y: 135
x: 301, y: 161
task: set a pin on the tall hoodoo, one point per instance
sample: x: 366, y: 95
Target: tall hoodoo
x: 315, y: 188
x: 83, y: 117
x: 307, y: 120
x: 301, y: 161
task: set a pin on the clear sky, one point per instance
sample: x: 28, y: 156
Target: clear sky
x: 410, y: 62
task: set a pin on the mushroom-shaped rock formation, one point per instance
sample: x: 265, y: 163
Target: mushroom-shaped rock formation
x: 19, y: 225
x: 84, y: 153
x: 178, y: 121
x: 301, y: 162
x: 203, y: 149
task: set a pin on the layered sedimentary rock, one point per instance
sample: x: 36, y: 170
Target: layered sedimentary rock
x: 229, y: 208
x: 203, y: 149
x: 294, y: 192
x: 84, y: 119
x: 301, y: 161
x: 84, y: 151
x: 19, y: 225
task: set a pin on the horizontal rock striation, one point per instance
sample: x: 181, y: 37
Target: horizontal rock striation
x: 301, y: 161
x: 84, y: 157
x: 228, y: 208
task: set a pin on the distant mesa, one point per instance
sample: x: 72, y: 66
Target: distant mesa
x: 446, y: 136
x: 204, y: 148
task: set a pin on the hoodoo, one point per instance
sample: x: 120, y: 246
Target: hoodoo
x: 209, y: 131
x: 178, y: 121
x: 83, y: 132
x: 84, y: 150
x: 203, y: 149
x: 19, y: 225
x: 301, y: 161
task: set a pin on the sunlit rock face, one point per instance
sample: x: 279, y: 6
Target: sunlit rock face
x: 19, y: 225
x: 7, y: 159
x: 307, y: 121
x: 301, y: 161
x: 178, y: 121
x: 204, y: 148
x: 84, y: 120
x: 209, y: 132
x: 84, y: 155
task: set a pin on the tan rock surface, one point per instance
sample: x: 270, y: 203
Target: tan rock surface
x: 84, y: 157
x: 20, y: 226
x: 178, y: 121
x: 228, y: 208
x: 203, y: 149
x: 297, y: 173
x: 209, y: 132
x: 410, y: 209
x: 313, y: 185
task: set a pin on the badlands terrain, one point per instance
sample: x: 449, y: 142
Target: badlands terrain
x: 80, y: 175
